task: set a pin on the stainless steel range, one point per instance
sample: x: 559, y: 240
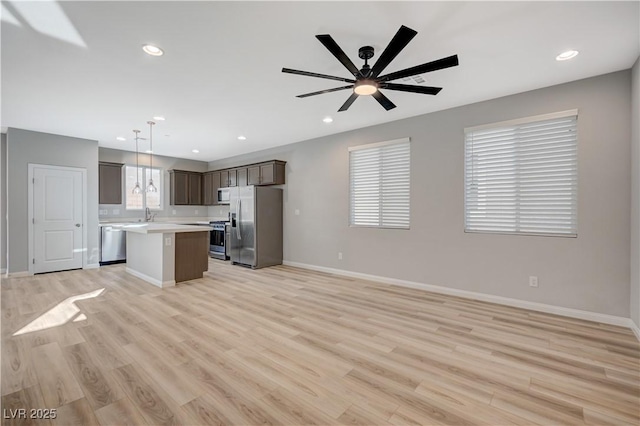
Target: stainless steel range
x: 218, y: 242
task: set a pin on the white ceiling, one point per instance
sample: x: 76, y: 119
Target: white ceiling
x: 77, y: 68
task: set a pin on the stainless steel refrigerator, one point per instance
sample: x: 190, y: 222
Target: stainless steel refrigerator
x: 256, y: 226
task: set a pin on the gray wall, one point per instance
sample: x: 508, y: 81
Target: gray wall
x: 590, y: 272
x: 3, y: 200
x: 165, y: 163
x: 635, y: 195
x: 24, y: 147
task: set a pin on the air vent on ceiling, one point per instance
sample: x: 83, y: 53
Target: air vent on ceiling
x: 416, y: 79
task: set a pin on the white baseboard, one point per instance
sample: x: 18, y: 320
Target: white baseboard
x: 636, y: 330
x: 20, y: 274
x: 534, y: 306
x: 151, y: 280
x: 92, y: 266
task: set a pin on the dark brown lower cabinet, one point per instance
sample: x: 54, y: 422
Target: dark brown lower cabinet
x: 192, y: 255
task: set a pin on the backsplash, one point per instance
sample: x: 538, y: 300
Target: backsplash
x: 117, y: 211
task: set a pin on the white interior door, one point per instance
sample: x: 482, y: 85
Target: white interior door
x: 57, y: 219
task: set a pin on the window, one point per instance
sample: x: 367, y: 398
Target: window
x: 153, y: 200
x: 379, y: 180
x: 521, y: 176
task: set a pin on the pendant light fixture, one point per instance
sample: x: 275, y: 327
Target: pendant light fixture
x: 151, y: 187
x: 137, y: 189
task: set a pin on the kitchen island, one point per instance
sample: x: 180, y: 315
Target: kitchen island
x: 164, y: 253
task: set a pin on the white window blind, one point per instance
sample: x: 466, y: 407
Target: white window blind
x: 521, y: 176
x: 379, y: 184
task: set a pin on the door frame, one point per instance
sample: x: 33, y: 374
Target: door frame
x: 30, y: 205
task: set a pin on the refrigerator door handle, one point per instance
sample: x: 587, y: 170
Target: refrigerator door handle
x: 238, y: 234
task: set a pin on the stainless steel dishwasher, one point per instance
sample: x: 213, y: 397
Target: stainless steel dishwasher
x: 113, y: 244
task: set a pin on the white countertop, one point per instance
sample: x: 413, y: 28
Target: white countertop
x: 159, y: 228
x: 165, y: 220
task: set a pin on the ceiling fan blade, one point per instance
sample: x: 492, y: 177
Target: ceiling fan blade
x: 448, y: 62
x: 397, y: 43
x: 426, y: 90
x: 320, y: 92
x: 383, y: 100
x: 313, y: 74
x: 347, y: 104
x: 336, y: 51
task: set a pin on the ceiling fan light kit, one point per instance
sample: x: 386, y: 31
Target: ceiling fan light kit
x: 368, y: 81
x: 365, y: 87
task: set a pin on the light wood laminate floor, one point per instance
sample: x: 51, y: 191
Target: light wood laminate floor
x: 288, y: 346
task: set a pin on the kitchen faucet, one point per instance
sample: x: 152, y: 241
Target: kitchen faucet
x: 148, y: 217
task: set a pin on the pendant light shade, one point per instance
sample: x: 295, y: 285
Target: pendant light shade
x: 137, y: 189
x: 151, y: 187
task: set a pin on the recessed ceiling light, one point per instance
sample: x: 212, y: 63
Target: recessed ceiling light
x: 195, y: 151
x: 120, y: 138
x: 242, y: 138
x: 152, y: 50
x: 567, y: 55
x: 149, y: 151
x: 327, y: 119
x: 158, y: 118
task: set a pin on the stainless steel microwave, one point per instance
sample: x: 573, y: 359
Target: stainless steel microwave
x: 223, y: 196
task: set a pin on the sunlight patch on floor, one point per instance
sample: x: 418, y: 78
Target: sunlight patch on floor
x: 60, y: 314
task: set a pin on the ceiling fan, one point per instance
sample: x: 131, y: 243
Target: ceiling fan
x: 368, y: 80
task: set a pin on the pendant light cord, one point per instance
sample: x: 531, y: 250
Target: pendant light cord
x: 151, y: 187
x: 151, y: 123
x: 137, y: 162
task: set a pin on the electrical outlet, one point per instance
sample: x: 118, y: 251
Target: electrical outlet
x: 196, y: 211
x: 533, y: 281
x: 167, y: 241
x: 116, y: 211
x: 104, y: 212
x: 339, y: 255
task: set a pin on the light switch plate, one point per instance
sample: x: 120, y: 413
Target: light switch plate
x: 167, y: 241
x: 104, y: 212
x: 297, y: 212
x: 116, y: 211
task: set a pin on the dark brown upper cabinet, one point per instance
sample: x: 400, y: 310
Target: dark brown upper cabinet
x: 228, y: 178
x: 110, y: 183
x: 210, y: 185
x: 241, y: 176
x: 195, y: 189
x: 186, y: 188
x: 267, y: 173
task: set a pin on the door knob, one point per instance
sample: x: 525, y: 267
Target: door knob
x: 77, y: 225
